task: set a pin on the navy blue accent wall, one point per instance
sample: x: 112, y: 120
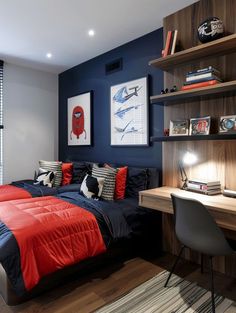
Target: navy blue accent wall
x: 91, y: 76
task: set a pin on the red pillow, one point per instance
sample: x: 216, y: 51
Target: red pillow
x: 67, y: 171
x: 120, y: 182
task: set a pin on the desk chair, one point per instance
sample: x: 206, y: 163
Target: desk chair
x: 196, y: 229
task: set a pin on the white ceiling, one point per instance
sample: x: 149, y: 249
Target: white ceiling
x: 31, y: 28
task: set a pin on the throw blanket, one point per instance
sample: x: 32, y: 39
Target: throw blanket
x: 24, y: 189
x: 41, y: 235
x: 9, y: 192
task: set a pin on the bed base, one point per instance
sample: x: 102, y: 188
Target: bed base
x: 119, y: 253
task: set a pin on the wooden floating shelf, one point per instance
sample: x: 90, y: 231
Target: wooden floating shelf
x: 194, y: 138
x: 197, y: 92
x: 222, y: 46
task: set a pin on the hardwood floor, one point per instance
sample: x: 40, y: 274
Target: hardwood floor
x: 84, y: 295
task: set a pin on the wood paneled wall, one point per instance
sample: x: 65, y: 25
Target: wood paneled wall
x: 216, y: 159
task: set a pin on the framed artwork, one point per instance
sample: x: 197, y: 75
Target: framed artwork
x: 179, y: 128
x: 227, y: 124
x: 129, y: 113
x: 200, y: 126
x: 79, y: 119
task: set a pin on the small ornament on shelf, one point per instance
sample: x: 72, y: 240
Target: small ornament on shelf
x: 165, y: 91
x: 211, y: 29
x: 166, y: 132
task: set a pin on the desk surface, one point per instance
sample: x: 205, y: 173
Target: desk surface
x: 222, y: 208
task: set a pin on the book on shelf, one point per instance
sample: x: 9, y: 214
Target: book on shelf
x: 199, y: 85
x: 167, y: 46
x: 207, y: 183
x: 174, y: 34
x: 208, y: 69
x: 201, y: 80
x: 202, y: 76
x: 171, y: 43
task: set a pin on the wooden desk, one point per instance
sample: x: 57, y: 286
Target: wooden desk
x: 223, y: 209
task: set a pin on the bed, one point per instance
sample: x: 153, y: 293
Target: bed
x: 36, y: 233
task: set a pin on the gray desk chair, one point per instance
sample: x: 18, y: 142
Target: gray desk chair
x: 196, y: 229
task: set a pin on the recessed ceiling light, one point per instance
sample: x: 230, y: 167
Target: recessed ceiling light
x: 49, y: 55
x: 91, y: 32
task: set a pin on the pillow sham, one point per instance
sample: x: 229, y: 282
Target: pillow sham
x: 67, y: 171
x: 92, y: 187
x: 53, y: 166
x: 137, y: 180
x: 80, y: 169
x: 109, y: 175
x: 44, y: 178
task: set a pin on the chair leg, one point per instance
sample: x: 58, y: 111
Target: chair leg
x: 201, y: 263
x: 174, y: 265
x: 212, y: 287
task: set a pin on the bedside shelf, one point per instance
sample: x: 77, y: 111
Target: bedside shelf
x: 194, y: 138
x: 197, y: 92
x: 222, y: 46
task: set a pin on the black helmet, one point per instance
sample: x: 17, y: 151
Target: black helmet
x: 210, y: 29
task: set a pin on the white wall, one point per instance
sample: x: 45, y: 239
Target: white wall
x: 30, y: 100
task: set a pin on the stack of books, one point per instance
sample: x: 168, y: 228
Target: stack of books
x: 171, y: 40
x: 204, y: 187
x: 202, y: 78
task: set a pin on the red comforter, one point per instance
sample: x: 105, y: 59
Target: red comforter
x: 8, y: 192
x: 51, y: 234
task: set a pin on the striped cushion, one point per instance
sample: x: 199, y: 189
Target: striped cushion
x: 53, y: 166
x: 109, y: 174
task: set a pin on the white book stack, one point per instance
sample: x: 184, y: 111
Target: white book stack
x: 204, y: 187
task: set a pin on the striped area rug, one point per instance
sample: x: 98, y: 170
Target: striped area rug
x: 181, y: 296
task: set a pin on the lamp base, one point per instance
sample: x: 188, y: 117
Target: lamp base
x: 185, y: 185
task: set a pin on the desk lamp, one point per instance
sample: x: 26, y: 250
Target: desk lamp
x: 189, y: 158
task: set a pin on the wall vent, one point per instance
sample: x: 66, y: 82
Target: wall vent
x: 114, y: 66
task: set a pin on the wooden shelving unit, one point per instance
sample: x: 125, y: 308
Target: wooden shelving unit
x: 222, y: 46
x: 194, y: 138
x: 217, y: 152
x: 198, y: 92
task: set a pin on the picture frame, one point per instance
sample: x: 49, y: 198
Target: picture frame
x: 227, y: 124
x: 179, y: 128
x: 79, y: 119
x: 129, y: 114
x: 200, y: 126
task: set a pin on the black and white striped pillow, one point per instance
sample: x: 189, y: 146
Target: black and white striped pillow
x: 53, y: 166
x: 109, y: 174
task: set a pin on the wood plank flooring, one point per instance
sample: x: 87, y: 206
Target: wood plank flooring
x: 84, y: 295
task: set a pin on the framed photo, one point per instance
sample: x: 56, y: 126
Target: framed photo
x: 129, y: 113
x: 179, y: 128
x: 227, y: 124
x: 79, y: 119
x: 200, y: 126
